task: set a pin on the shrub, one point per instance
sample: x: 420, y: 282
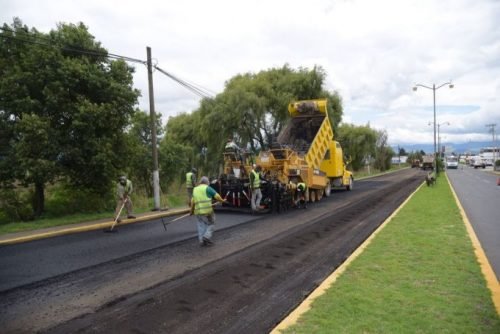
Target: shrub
x: 63, y: 200
x: 15, y: 206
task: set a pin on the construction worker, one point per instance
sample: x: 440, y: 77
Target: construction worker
x: 190, y: 183
x: 300, y: 195
x: 231, y: 145
x: 201, y: 206
x: 255, y: 187
x: 124, y: 189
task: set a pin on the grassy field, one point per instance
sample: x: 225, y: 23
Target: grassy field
x: 419, y: 275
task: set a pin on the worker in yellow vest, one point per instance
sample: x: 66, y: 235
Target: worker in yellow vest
x: 255, y: 187
x: 123, y: 190
x: 190, y: 184
x: 201, y: 206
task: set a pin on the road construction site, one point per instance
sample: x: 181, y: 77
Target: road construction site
x: 145, y: 279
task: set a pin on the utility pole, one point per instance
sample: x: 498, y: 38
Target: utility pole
x: 152, y: 114
x: 492, y: 130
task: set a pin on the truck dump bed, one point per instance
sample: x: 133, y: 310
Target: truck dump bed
x: 308, y: 132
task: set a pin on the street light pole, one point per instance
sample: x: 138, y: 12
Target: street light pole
x: 439, y: 138
x: 492, y: 130
x: 434, y: 88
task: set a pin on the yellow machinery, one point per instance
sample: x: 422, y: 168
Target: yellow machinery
x: 305, y: 151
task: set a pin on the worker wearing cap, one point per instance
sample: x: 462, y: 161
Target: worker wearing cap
x: 124, y: 189
x: 301, y: 195
x: 190, y: 183
x: 231, y: 145
x: 201, y: 206
x: 255, y: 187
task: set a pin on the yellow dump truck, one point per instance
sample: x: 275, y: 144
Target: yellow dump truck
x: 305, y: 151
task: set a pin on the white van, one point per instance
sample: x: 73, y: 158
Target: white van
x: 451, y: 162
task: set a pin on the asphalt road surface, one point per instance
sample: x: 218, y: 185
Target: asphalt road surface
x: 31, y: 262
x: 479, y: 194
x: 259, y: 270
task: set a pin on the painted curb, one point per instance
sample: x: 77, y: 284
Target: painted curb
x: 486, y: 269
x: 86, y: 228
x: 305, y: 306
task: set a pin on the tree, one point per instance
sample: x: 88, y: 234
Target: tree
x: 358, y: 142
x: 383, y: 152
x: 139, y: 143
x: 65, y: 110
x: 174, y: 160
x: 252, y: 110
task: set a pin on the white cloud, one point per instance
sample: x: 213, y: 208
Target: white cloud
x: 373, y: 52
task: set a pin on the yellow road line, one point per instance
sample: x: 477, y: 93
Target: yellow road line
x: 305, y: 306
x: 489, y: 274
x: 79, y: 229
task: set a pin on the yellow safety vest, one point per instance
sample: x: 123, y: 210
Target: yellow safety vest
x: 202, y: 203
x: 256, y: 180
x: 189, y: 180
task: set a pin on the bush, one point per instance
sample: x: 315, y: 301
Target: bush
x: 63, y: 200
x: 15, y: 206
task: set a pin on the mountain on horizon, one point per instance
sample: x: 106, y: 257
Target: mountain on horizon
x: 472, y: 147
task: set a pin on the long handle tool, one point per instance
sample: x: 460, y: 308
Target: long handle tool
x: 110, y: 230
x: 174, y: 220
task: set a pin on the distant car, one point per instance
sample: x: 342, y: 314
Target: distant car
x: 478, y: 163
x: 451, y: 162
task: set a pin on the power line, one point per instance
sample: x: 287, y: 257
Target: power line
x: 69, y: 49
x: 194, y: 88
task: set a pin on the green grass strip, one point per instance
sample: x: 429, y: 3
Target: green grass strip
x: 141, y: 205
x: 419, y: 275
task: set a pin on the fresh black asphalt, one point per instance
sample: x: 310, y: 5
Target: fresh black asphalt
x: 30, y: 262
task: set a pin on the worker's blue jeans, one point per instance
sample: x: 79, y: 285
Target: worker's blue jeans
x: 205, y: 227
x: 256, y: 197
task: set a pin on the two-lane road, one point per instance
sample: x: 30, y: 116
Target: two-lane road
x: 479, y: 194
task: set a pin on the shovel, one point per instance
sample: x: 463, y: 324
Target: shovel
x: 110, y: 230
x: 178, y: 218
x: 174, y: 220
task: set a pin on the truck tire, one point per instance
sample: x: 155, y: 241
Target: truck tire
x: 312, y: 195
x: 350, y: 185
x: 328, y: 189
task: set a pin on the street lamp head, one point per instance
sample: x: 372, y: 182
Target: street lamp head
x: 451, y: 85
x: 414, y: 88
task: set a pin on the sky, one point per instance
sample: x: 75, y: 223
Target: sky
x: 374, y: 53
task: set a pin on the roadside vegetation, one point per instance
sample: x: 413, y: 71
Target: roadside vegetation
x: 419, y: 275
x: 70, y: 126
x: 175, y: 198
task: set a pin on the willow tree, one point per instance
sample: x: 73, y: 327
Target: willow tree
x: 252, y: 109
